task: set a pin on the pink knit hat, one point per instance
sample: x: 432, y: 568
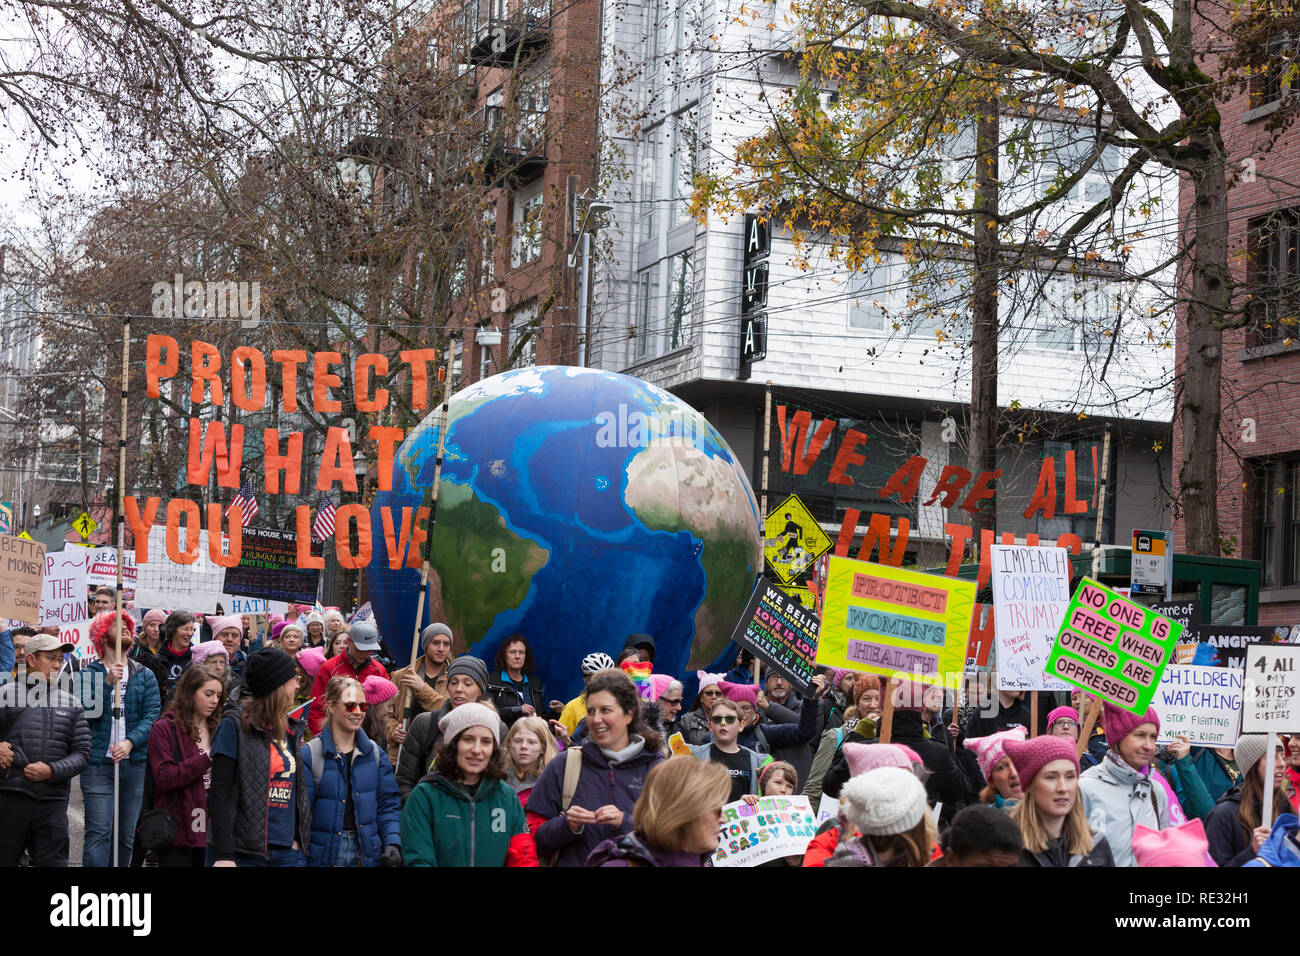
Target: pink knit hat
x: 378, y: 689
x: 660, y: 683
x: 1068, y: 713
x: 989, y: 750
x: 201, y: 652
x: 155, y: 614
x: 1120, y: 723
x: 219, y: 624
x: 1183, y: 845
x: 1031, y: 756
x: 739, y: 692
x: 311, y: 659
x: 864, y: 757
x: 708, y: 680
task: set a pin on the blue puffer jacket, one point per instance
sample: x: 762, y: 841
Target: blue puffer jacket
x: 141, y: 705
x: 1283, y: 846
x: 376, y: 803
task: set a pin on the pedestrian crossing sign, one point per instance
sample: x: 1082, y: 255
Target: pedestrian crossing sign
x: 792, y: 540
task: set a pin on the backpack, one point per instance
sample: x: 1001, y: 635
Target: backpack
x: 572, y: 771
x: 316, y: 751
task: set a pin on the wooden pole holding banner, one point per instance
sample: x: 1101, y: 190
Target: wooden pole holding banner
x: 1085, y: 729
x: 1270, y: 756
x: 431, y: 497
x: 767, y: 449
x: 1033, y: 713
x: 1101, y: 503
x: 887, y: 712
x: 121, y: 548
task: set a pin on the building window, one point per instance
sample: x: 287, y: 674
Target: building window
x: 680, y: 298
x: 1277, y: 521
x: 650, y: 157
x: 684, y: 166
x: 875, y: 297
x: 1274, y: 243
x: 647, y: 312
x: 523, y: 337
x: 487, y: 245
x: 527, y: 244
x: 1275, y: 80
x: 1085, y: 489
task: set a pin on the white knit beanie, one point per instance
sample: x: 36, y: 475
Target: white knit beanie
x: 883, y: 801
x: 470, y: 715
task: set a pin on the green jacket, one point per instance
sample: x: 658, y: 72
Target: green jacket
x: 444, y: 825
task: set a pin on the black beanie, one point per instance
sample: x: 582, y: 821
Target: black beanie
x: 268, y: 669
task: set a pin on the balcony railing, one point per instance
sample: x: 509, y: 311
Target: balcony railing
x: 514, y: 146
x: 508, y: 31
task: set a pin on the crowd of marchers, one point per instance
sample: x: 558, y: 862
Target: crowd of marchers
x: 220, y: 745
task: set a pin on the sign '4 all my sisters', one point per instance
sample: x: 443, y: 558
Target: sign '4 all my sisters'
x: 1113, y: 648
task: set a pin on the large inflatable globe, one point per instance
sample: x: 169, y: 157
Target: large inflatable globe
x: 576, y: 506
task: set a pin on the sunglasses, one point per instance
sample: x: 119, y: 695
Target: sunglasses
x: 671, y: 701
x: 356, y: 705
x: 724, y: 719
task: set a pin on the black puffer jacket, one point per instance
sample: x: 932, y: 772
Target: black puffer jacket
x: 237, y: 801
x: 1055, y: 855
x: 1226, y: 835
x: 43, y: 724
x: 509, y: 697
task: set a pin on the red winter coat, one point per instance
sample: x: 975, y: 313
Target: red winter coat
x: 180, y: 775
x: 337, y: 666
x: 822, y: 847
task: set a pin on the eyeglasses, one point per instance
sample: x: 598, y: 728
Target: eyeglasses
x: 353, y: 706
x: 671, y: 702
x: 724, y: 719
x: 710, y: 692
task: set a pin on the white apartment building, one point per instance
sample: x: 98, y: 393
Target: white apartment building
x: 844, y: 345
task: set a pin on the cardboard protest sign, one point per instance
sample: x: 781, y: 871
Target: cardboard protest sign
x: 1187, y: 613
x: 268, y: 568
x: 884, y: 620
x: 1202, y: 704
x: 77, y: 633
x: 773, y: 828
x: 1031, y: 590
x: 827, y: 809
x: 162, y: 582
x: 1271, y: 696
x: 102, y: 569
x: 781, y: 633
x: 1113, y: 648
x: 1224, y: 645
x: 63, y: 592
x: 22, y: 566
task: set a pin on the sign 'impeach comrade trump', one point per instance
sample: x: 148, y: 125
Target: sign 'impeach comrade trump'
x: 887, y: 621
x: 1113, y: 648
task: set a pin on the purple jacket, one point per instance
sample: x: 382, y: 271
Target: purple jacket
x: 599, y: 785
x: 180, y: 774
x: 631, y: 849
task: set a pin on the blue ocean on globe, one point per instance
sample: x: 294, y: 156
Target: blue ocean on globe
x: 576, y: 506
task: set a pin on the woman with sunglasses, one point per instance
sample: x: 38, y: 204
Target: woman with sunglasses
x: 355, y: 806
x: 742, y: 763
x: 695, y: 723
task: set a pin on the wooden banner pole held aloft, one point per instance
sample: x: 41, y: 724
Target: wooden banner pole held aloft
x: 1101, y: 503
x: 431, y: 497
x: 767, y: 448
x: 121, y: 548
x: 1033, y: 713
x: 1270, y: 757
x: 887, y: 712
x: 1085, y: 730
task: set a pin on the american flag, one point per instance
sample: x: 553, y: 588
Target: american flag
x: 323, y: 527
x: 246, y: 500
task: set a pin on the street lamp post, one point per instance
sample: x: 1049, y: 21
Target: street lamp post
x: 582, y: 245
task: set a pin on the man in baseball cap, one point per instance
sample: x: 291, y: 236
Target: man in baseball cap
x: 46, y: 743
x: 357, y: 660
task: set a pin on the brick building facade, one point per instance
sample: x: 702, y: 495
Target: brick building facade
x: 1259, y: 450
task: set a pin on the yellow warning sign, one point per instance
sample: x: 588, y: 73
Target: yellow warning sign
x: 793, y: 540
x: 802, y: 595
x: 24, y: 534
x: 84, y: 525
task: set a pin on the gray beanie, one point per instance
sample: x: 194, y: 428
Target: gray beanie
x: 470, y: 715
x: 427, y: 634
x: 472, y: 668
x: 1248, y: 751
